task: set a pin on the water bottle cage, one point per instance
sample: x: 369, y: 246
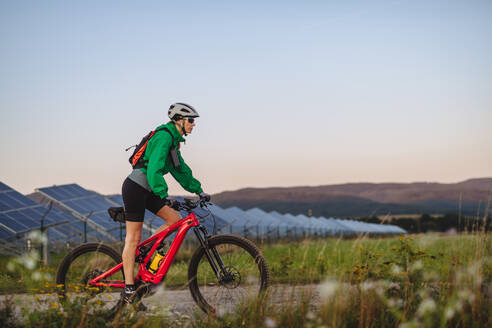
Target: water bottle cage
x: 142, y: 254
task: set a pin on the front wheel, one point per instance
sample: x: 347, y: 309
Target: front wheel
x: 242, y: 275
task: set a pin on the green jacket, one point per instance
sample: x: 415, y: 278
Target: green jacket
x: 159, y: 163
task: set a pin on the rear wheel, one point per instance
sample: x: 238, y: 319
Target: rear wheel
x: 244, y: 274
x: 85, y: 263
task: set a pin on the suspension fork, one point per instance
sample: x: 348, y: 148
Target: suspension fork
x: 211, y: 253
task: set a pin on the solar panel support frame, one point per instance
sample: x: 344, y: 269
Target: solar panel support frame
x: 80, y: 217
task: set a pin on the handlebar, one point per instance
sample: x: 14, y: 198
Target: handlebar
x: 118, y: 213
x: 188, y: 204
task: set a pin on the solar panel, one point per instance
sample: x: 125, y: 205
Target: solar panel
x: 3, y: 206
x: 275, y: 226
x: 21, y: 199
x: 4, y: 187
x: 19, y: 215
x: 116, y: 198
x: 86, y: 205
x: 23, y: 219
x: 232, y: 224
x: 8, y: 222
x: 252, y: 227
x: 11, y: 202
x: 295, y: 229
x: 338, y: 227
x: 4, y: 233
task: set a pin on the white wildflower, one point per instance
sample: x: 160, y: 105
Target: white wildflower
x: 430, y: 275
x: 427, y: 306
x: 458, y: 305
x: 460, y: 276
x: 395, y: 302
x: 396, y: 269
x: 367, y: 285
x: 381, y: 287
x: 449, y: 313
x: 410, y: 324
x: 394, y: 285
x: 466, y: 295
x: 310, y: 315
x: 426, y: 241
x: 416, y: 266
x: 473, y: 269
x: 10, y: 266
x: 35, y: 236
x: 37, y: 276
x: 29, y: 260
x: 328, y: 289
x: 270, y: 323
x: 477, y: 280
x: 474, y: 272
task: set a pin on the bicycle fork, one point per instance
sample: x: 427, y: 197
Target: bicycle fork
x: 213, y: 256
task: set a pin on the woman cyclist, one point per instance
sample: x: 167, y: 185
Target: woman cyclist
x: 145, y: 187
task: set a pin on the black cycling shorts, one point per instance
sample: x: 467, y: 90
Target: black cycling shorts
x: 136, y: 199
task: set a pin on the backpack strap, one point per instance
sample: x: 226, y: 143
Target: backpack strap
x: 143, y: 162
x: 167, y: 130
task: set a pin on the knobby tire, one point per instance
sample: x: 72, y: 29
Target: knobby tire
x: 83, y: 249
x: 219, y: 241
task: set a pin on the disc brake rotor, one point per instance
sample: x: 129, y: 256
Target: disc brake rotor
x: 230, y: 278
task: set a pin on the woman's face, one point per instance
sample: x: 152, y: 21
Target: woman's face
x: 189, y: 126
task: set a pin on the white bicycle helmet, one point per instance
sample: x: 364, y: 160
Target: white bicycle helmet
x: 179, y: 110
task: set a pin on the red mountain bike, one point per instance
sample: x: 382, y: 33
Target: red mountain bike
x: 223, y: 271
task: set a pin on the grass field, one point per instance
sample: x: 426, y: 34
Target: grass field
x: 409, y: 281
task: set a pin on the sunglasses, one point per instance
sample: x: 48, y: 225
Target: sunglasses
x: 191, y: 120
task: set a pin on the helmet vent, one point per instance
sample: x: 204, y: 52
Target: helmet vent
x: 179, y: 110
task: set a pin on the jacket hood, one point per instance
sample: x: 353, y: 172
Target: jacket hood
x: 174, y: 131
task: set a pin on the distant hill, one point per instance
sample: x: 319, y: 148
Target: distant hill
x: 367, y: 199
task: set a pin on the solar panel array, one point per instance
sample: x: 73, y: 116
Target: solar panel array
x: 154, y: 222
x: 20, y: 215
x: 79, y: 214
x: 88, y: 206
x: 256, y: 223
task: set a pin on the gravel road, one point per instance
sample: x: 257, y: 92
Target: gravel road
x: 166, y: 301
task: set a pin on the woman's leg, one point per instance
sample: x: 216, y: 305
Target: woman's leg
x: 133, y: 235
x: 169, y: 215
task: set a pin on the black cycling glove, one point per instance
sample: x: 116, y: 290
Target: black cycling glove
x: 172, y: 203
x: 204, y: 196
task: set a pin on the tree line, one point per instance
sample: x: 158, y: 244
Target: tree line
x: 442, y: 223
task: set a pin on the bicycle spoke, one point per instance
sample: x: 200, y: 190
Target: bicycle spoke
x: 240, y: 278
x: 86, y: 266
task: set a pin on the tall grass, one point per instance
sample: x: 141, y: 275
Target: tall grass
x: 421, y: 281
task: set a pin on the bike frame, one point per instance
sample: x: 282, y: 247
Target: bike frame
x: 182, y: 227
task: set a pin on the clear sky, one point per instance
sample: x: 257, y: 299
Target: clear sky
x: 290, y: 92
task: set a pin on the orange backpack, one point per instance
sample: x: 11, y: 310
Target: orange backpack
x: 137, y: 161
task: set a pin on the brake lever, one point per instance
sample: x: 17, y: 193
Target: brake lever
x: 176, y: 206
x: 204, y: 203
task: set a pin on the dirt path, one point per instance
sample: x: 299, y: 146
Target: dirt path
x: 164, y: 301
